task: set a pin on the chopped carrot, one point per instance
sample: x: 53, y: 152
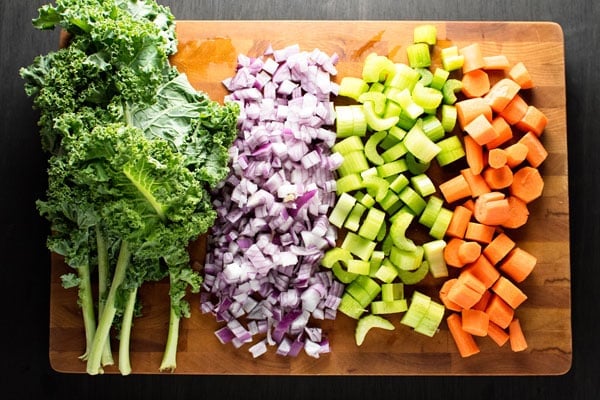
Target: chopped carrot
x: 475, y: 322
x: 476, y: 183
x: 521, y: 75
x: 509, y: 292
x: 499, y: 311
x: 459, y: 221
x: 497, y: 157
x: 497, y: 62
x: 518, y: 213
x: 481, y: 130
x: 498, y: 178
x: 469, y: 109
x: 455, y: 189
x: 534, y: 120
x: 465, y: 343
x: 470, y: 204
x: 444, y: 295
x: 516, y: 153
x: 482, y: 303
x: 518, y: 264
x: 497, y: 334
x: 491, y: 208
x: 465, y: 292
x: 475, y: 83
x: 515, y: 110
x: 468, y: 278
x: 474, y: 155
x: 527, y: 184
x: 501, y: 93
x: 516, y: 336
x: 536, y: 152
x: 473, y: 57
x: 479, y: 232
x: 468, y: 252
x: 498, y: 248
x: 451, y: 253
x: 483, y: 270
x: 503, y: 130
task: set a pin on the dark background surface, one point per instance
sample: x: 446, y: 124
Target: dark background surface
x: 25, y: 369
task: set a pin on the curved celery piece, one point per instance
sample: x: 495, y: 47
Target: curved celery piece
x: 426, y: 76
x: 418, y: 55
x: 376, y: 87
x: 440, y: 76
x: 376, y: 68
x: 374, y: 121
x: 378, y: 99
x: 368, y: 322
x: 415, y: 276
x: 431, y: 211
x: 353, y: 221
x: 449, y: 117
x: 404, y: 77
x: 394, y: 152
x: 440, y: 225
x: 452, y: 150
x: 387, y: 272
x: 449, y: 90
x: 427, y: 97
x: 406, y: 260
x: 370, y: 285
x: 433, y: 128
x: 335, y: 255
x: 392, y: 109
x: 371, y: 147
x: 422, y: 184
x: 342, y: 275
x: 354, y: 162
x: 360, y: 247
x: 415, y: 166
x: 434, y: 254
x: 376, y: 186
x: 413, y: 200
x: 398, y: 231
x: 352, y: 87
x: 420, y: 145
x: 405, y: 100
x: 350, y: 307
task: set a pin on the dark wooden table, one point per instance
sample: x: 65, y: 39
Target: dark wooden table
x: 26, y: 371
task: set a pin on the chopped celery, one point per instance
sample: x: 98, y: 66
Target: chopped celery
x: 452, y: 150
x: 342, y: 209
x: 449, y: 117
x: 423, y: 185
x: 365, y: 199
x: 377, y: 68
x: 334, y: 255
x: 354, y: 162
x: 414, y: 276
x: 377, y: 98
x: 440, y: 76
x: 434, y: 254
x: 394, y: 152
x: 359, y: 267
x: 417, y: 309
x: 352, y: 87
x: 415, y: 166
x: 350, y: 307
x: 431, y: 211
x: 387, y: 272
x: 375, y: 122
x: 406, y: 122
x: 371, y: 147
x: 426, y: 76
x: 341, y: 274
x: 398, y: 229
x: 392, y: 291
x: 418, y: 55
x: 376, y: 187
x: 368, y: 172
x: 376, y: 259
x: 399, y: 183
x: 449, y: 90
x: 389, y: 307
x: 433, y: 128
x: 404, y: 77
x: 406, y: 260
x: 412, y: 199
x: 409, y: 106
x: 420, y: 145
x: 426, y: 97
x: 392, y: 168
x: 353, y: 221
x: 426, y: 33
x: 350, y: 121
x: 376, y: 87
x: 372, y: 224
x: 360, y: 247
x: 370, y: 285
x: 451, y: 60
x: 431, y: 321
x: 348, y: 145
x: 348, y: 183
x: 368, y: 322
x: 396, y: 133
x: 440, y: 225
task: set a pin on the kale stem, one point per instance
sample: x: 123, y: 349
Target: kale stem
x: 103, y: 271
x: 108, y: 314
x: 125, y: 334
x: 169, y: 361
x: 87, y: 306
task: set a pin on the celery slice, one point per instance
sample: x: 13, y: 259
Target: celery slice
x: 414, y: 276
x: 342, y: 209
x: 439, y: 227
x: 372, y: 224
x: 400, y: 224
x: 371, y: 147
x: 413, y: 200
x: 449, y: 90
x: 434, y: 254
x: 399, y: 183
x: 341, y: 274
x: 426, y: 97
x: 377, y: 98
x: 348, y: 183
x: 394, y: 152
x: 360, y: 247
x: 387, y: 272
x: 392, y: 291
x: 376, y: 87
x: 431, y: 321
x: 423, y: 185
x: 376, y: 187
x: 352, y: 87
x: 377, y: 68
x: 406, y: 260
x: 392, y: 168
x: 354, y: 162
x: 431, y: 211
x: 374, y: 121
x: 349, y: 306
x: 415, y: 166
x: 392, y: 109
x: 418, y: 55
x: 426, y: 76
x: 359, y: 267
x: 368, y: 322
x: 417, y: 309
x: 440, y: 76
x: 353, y: 221
x: 335, y: 255
x: 409, y: 106
x: 404, y: 77
x: 365, y: 199
x: 420, y: 145
x: 426, y: 33
x: 389, y: 307
x: 348, y: 145
x: 370, y: 285
x: 433, y: 128
x: 452, y: 150
x: 449, y: 117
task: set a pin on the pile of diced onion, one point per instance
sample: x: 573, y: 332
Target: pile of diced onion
x: 262, y: 277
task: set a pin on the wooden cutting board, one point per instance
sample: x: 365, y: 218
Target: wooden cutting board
x: 207, y: 53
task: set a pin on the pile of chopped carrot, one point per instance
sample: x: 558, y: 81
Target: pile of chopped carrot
x: 503, y: 152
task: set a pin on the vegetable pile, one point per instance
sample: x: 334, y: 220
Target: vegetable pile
x: 134, y: 151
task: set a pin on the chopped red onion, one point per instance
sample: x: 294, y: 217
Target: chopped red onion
x: 262, y: 274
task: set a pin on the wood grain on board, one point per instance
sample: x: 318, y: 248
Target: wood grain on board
x: 207, y: 53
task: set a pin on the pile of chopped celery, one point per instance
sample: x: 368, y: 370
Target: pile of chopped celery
x: 401, y: 122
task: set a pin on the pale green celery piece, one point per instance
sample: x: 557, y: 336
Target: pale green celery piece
x: 397, y: 133
x: 418, y: 55
x: 349, y: 306
x: 433, y: 128
x: 449, y: 90
x: 343, y: 207
x: 426, y: 33
x: 409, y: 107
x: 434, y: 254
x: 431, y: 321
x: 359, y: 267
x: 449, y: 117
x: 440, y: 75
x: 389, y: 307
x: 377, y: 68
x: 451, y: 59
x: 404, y: 77
x: 420, y: 145
x: 422, y: 184
x: 348, y: 183
x: 452, y: 150
x: 354, y: 162
x: 371, y: 147
x: 353, y: 221
x: 372, y: 224
x: 392, y: 291
x: 439, y: 227
x: 368, y: 172
x: 387, y: 272
x: 413, y: 200
x: 406, y: 122
x: 368, y: 322
x: 400, y: 224
x: 414, y: 276
x: 432, y: 209
x: 375, y: 122
x: 335, y: 255
x: 365, y: 199
x: 392, y: 109
x: 382, y: 233
x: 392, y: 168
x: 376, y: 259
x: 426, y: 97
x: 348, y: 145
x: 359, y: 120
x: 417, y: 309
x: 370, y: 285
x: 415, y: 166
x: 344, y: 121
x: 341, y: 274
x: 406, y: 260
x: 376, y: 186
x: 358, y: 293
x: 399, y: 183
x: 390, y: 202
x: 426, y: 76
x: 360, y: 247
x: 352, y: 87
x: 377, y: 87
x: 377, y: 98
x: 394, y: 152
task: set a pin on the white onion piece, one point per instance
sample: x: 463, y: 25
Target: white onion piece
x: 262, y: 274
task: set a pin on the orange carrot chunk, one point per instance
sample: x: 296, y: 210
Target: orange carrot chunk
x: 455, y: 189
x: 491, y: 208
x: 444, y: 295
x: 516, y: 336
x: 518, y: 213
x: 465, y: 343
x: 497, y: 334
x: 503, y: 131
x: 459, y: 222
x: 527, y: 184
x: 483, y: 270
x: 479, y: 232
x: 501, y: 93
x: 473, y: 57
x: 468, y: 252
x: 474, y: 155
x: 521, y: 75
x: 482, y: 303
x: 498, y: 248
x: 536, y: 153
x: 497, y: 158
x: 509, y: 292
x: 515, y: 110
x: 497, y: 62
x: 516, y: 153
x: 518, y: 264
x: 499, y: 311
x: 451, y: 253
x: 475, y: 322
x: 498, y: 178
x: 476, y: 183
x: 463, y: 295
x: 481, y: 130
x: 475, y: 83
x: 534, y: 120
x: 469, y: 109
